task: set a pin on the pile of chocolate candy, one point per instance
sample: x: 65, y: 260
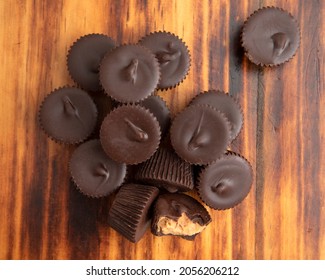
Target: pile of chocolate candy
x: 169, y: 156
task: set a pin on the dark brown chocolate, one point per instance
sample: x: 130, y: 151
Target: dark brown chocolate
x: 226, y: 105
x: 173, y: 57
x: 129, y: 73
x: 130, y: 213
x: 200, y: 134
x: 68, y: 115
x: 93, y: 172
x: 84, y: 58
x: 157, y: 106
x: 225, y: 183
x: 104, y: 105
x: 180, y: 215
x: 166, y: 170
x: 270, y: 36
x: 130, y: 134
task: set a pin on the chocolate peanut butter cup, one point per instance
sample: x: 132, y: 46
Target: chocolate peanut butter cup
x: 173, y: 56
x: 179, y: 215
x: 200, y: 134
x: 130, y: 134
x: 270, y: 36
x: 226, y: 182
x: 166, y: 170
x: 93, y: 172
x: 158, y: 107
x: 225, y: 104
x: 68, y: 115
x: 130, y: 213
x: 129, y: 73
x: 84, y: 58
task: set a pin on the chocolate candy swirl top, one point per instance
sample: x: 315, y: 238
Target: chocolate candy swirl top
x: 130, y: 134
x: 84, y: 58
x: 225, y: 104
x: 270, y: 36
x: 226, y: 182
x: 68, y: 115
x: 200, y: 134
x: 173, y: 57
x: 129, y: 73
x: 94, y: 173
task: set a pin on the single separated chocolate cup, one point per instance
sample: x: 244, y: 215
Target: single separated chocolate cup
x: 270, y: 36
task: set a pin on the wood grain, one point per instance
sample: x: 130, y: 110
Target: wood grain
x: 42, y: 215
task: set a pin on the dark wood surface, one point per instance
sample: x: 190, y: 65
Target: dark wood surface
x: 42, y: 215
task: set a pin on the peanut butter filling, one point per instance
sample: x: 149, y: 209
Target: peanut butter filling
x: 182, y: 226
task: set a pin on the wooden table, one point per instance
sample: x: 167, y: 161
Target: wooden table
x: 43, y: 216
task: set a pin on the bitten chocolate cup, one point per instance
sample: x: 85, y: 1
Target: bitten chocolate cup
x: 93, y: 172
x: 270, y: 36
x: 130, y: 213
x: 226, y: 105
x: 226, y: 182
x: 68, y: 115
x: 166, y: 170
x: 200, y: 134
x: 129, y: 73
x: 173, y: 56
x: 179, y: 215
x: 130, y: 134
x: 84, y: 57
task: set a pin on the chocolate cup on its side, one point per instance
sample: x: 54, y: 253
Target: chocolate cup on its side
x: 166, y: 170
x: 130, y: 213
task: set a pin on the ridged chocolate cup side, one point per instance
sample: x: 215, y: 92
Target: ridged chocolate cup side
x: 130, y: 213
x: 166, y: 170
